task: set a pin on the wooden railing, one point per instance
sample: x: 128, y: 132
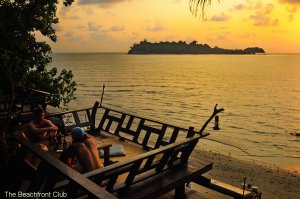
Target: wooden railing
x: 150, y: 134
x: 24, y: 101
x: 166, y: 166
x: 141, y: 130
x: 49, y: 170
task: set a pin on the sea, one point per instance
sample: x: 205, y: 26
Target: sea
x: 260, y: 95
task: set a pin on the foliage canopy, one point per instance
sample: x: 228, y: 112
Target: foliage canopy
x: 23, y: 59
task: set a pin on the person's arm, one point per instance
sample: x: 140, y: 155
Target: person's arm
x: 68, y: 156
x: 49, y: 127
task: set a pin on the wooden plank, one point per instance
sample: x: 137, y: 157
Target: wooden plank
x: 150, y: 120
x: 151, y: 129
x: 129, y: 123
x: 104, y: 117
x: 190, y: 132
x: 76, y: 117
x: 120, y: 123
x: 92, y: 118
x: 138, y: 131
x: 146, y: 139
x: 222, y: 187
x: 133, y: 172
x: 127, y: 131
x: 162, y: 183
x: 140, y: 157
x: 174, y: 135
x: 148, y: 163
x: 160, y: 136
x: 108, y: 125
x: 40, y: 175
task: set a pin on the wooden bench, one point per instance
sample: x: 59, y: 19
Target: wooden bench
x: 227, y: 189
x: 153, y: 173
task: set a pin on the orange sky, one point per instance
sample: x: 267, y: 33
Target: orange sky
x: 114, y: 25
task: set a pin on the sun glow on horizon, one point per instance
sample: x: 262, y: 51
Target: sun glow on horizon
x: 113, y: 26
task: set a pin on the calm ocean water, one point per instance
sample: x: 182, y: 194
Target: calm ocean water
x: 260, y: 95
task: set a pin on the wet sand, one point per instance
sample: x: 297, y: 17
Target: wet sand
x: 274, y: 182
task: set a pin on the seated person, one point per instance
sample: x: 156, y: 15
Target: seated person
x: 40, y: 128
x: 83, y: 150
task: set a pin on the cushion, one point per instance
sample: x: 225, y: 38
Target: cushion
x: 115, y: 150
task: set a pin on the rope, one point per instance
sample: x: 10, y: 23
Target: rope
x: 243, y: 150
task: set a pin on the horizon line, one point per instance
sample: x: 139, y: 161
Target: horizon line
x: 119, y: 52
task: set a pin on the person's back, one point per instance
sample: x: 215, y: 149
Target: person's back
x: 87, y: 154
x: 85, y: 150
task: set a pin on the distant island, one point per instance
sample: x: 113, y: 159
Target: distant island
x: 181, y: 47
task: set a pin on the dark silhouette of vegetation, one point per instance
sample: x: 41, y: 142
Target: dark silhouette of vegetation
x: 196, y: 4
x: 23, y: 59
x: 181, y: 47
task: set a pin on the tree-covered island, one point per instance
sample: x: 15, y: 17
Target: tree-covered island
x: 181, y: 47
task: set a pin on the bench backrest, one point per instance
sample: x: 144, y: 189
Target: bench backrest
x: 123, y: 174
x: 149, y: 133
x: 79, y: 118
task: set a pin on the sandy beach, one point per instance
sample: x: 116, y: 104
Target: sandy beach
x: 274, y: 182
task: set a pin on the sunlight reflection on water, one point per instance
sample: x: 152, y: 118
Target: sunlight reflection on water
x: 260, y: 94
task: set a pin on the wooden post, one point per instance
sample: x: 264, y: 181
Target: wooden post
x: 215, y: 112
x: 102, y: 95
x: 180, y: 192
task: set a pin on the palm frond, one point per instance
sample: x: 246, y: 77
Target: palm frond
x: 195, y: 5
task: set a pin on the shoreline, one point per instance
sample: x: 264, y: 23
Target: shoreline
x: 250, y: 154
x: 273, y: 181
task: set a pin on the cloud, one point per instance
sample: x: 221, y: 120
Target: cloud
x: 269, y: 8
x: 221, y: 38
x: 70, y: 36
x: 247, y: 35
x: 292, y: 10
x: 219, y: 18
x: 155, y: 28
x: 102, y: 3
x: 262, y: 19
x: 133, y: 35
x: 117, y: 28
x: 57, y: 27
x: 65, y: 12
x: 239, y: 7
x: 262, y: 12
x: 98, y: 36
x: 292, y: 5
x: 92, y: 27
x: 293, y: 2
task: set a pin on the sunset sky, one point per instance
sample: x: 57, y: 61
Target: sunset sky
x: 114, y: 25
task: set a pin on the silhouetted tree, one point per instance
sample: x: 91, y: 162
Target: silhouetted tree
x: 194, y: 42
x: 23, y: 59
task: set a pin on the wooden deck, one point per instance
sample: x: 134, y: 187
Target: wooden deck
x: 138, y: 136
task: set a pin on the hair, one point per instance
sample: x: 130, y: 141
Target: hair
x: 38, y: 109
